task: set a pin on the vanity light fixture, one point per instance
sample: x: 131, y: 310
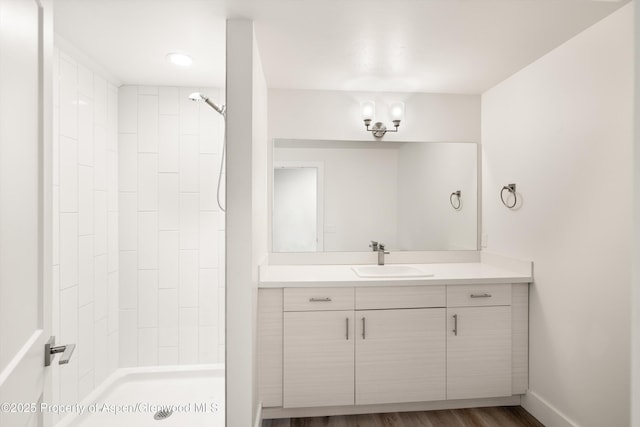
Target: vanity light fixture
x: 180, y: 59
x: 368, y: 109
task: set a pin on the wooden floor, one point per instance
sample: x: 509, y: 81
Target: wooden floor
x: 506, y: 416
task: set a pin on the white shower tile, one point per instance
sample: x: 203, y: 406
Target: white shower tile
x: 147, y: 182
x: 189, y: 162
x: 68, y: 250
x: 112, y: 241
x: 69, y: 382
x: 148, y: 90
x: 55, y: 300
x: 85, y: 131
x: 128, y: 109
x: 208, y: 239
x: 168, y: 201
x: 128, y: 221
x: 169, y: 257
x: 188, y: 335
x: 128, y: 338
x: 85, y: 339
x: 147, y: 298
x: 128, y: 278
x: 112, y: 304
x: 99, y: 100
x: 169, y: 312
x: 100, y: 222
x: 221, y: 314
x: 169, y: 144
x: 101, y: 351
x: 99, y: 157
x: 85, y: 270
x: 221, y: 353
x: 168, y: 356
x: 208, y: 297
x: 85, y: 385
x: 100, y: 291
x: 169, y: 100
x: 68, y: 108
x: 169, y: 337
x: 55, y: 68
x: 147, y: 240
x: 189, y: 114
x: 68, y: 175
x: 208, y: 181
x: 189, y: 218
x: 147, y: 124
x: 128, y: 162
x: 55, y: 225
x: 85, y: 81
x: 148, y: 346
x: 189, y: 279
x: 112, y: 181
x: 85, y: 200
x: 114, y: 352
x: 68, y: 316
x: 208, y: 344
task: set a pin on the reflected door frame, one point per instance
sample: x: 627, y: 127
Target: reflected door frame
x: 319, y: 166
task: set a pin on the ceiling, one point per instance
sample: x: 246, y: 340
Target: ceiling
x: 447, y: 46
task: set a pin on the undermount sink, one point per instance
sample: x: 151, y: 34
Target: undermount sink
x: 389, y: 271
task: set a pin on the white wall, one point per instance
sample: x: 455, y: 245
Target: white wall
x: 85, y: 225
x: 171, y: 230
x: 561, y: 129
x: 246, y: 243
x: 315, y: 114
x: 427, y: 175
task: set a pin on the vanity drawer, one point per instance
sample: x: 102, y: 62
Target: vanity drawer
x: 400, y: 297
x: 478, y: 295
x: 318, y: 299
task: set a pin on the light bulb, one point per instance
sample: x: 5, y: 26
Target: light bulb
x: 368, y: 109
x: 180, y: 59
x: 397, y: 111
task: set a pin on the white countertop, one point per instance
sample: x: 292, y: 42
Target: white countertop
x: 283, y: 276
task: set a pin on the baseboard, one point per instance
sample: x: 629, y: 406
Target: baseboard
x: 258, y: 420
x: 546, y: 413
x: 270, y: 413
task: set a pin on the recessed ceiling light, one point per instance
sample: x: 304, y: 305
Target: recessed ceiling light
x: 179, y: 59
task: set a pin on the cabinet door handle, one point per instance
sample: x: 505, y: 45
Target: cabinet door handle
x: 347, y: 329
x: 455, y: 324
x: 364, y: 325
x: 327, y: 299
x: 480, y: 295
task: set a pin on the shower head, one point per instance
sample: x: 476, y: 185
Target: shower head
x: 197, y: 96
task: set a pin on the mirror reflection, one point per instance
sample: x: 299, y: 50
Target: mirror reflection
x: 341, y: 195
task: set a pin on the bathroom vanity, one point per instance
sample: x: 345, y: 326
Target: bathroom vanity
x: 332, y: 342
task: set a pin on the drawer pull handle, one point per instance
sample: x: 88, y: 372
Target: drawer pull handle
x: 364, y: 325
x: 320, y: 299
x: 455, y: 324
x: 480, y: 295
x: 347, y: 329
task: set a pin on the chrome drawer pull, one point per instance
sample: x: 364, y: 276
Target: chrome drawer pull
x: 347, y: 329
x: 480, y: 295
x: 455, y: 324
x: 320, y: 299
x: 364, y: 326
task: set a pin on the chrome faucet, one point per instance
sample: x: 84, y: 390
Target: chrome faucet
x: 374, y: 246
x: 381, y: 253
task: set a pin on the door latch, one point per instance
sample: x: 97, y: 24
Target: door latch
x: 50, y: 350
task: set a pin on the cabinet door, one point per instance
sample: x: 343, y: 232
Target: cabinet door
x: 400, y: 355
x: 478, y: 352
x: 318, y: 358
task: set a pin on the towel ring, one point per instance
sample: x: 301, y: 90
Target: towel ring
x: 455, y: 194
x: 511, y: 188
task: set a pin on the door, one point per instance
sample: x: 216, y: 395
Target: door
x: 478, y: 352
x: 25, y: 43
x: 400, y: 355
x: 318, y: 358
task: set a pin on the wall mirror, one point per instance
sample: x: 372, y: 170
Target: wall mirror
x: 340, y: 195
